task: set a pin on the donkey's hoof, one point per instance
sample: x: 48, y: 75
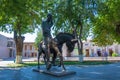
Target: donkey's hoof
x: 63, y: 70
x: 48, y: 66
x: 59, y: 65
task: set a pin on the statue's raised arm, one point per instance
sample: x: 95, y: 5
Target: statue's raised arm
x: 46, y: 26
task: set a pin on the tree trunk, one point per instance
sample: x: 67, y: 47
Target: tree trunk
x: 19, y: 47
x: 79, y: 44
x: 80, y: 50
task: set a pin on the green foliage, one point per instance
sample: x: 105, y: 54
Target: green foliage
x: 98, y: 17
x: 105, y: 24
x: 39, y: 38
x: 19, y: 15
x: 71, y: 14
x: 68, y: 14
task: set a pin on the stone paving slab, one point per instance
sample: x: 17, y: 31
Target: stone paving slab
x: 93, y: 72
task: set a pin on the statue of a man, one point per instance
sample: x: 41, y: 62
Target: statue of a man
x: 46, y: 26
x: 46, y: 29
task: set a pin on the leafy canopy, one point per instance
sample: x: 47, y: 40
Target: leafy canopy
x: 105, y: 25
x: 19, y: 15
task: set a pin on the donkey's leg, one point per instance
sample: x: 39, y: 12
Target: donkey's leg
x: 39, y: 54
x: 47, y: 58
x: 44, y: 57
x: 61, y: 62
x: 60, y: 49
x: 38, y: 61
x: 54, y: 58
x: 61, y: 58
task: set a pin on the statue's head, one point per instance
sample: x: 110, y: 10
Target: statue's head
x: 49, y: 17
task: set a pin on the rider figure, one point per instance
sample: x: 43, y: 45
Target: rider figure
x: 46, y: 29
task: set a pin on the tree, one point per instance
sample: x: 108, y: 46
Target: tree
x: 76, y: 15
x: 20, y: 17
x: 71, y: 16
x: 106, y: 26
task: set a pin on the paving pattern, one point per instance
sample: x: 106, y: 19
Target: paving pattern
x: 90, y: 72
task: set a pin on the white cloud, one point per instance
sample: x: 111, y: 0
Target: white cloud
x: 28, y: 37
x: 7, y: 34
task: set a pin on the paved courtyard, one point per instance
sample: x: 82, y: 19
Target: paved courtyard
x: 93, y: 72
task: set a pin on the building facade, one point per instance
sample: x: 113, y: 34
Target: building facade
x: 7, y: 47
x: 29, y: 50
x: 90, y: 49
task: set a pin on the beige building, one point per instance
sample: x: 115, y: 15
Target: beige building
x: 29, y: 49
x: 90, y: 49
x: 7, y: 47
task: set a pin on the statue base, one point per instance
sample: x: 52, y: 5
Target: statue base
x: 59, y: 74
x: 38, y: 70
x: 55, y: 73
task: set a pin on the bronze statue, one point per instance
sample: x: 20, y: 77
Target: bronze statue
x: 56, y: 48
x: 54, y: 45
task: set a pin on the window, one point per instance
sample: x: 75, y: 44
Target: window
x: 30, y: 47
x: 86, y: 44
x: 9, y: 44
x: 25, y: 47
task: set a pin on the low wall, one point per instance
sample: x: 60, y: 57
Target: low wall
x: 92, y: 58
x: 112, y: 59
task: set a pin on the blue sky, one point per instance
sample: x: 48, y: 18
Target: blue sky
x: 28, y: 37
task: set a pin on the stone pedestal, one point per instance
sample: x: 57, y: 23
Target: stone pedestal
x: 56, y: 73
x: 38, y: 70
x: 59, y: 74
